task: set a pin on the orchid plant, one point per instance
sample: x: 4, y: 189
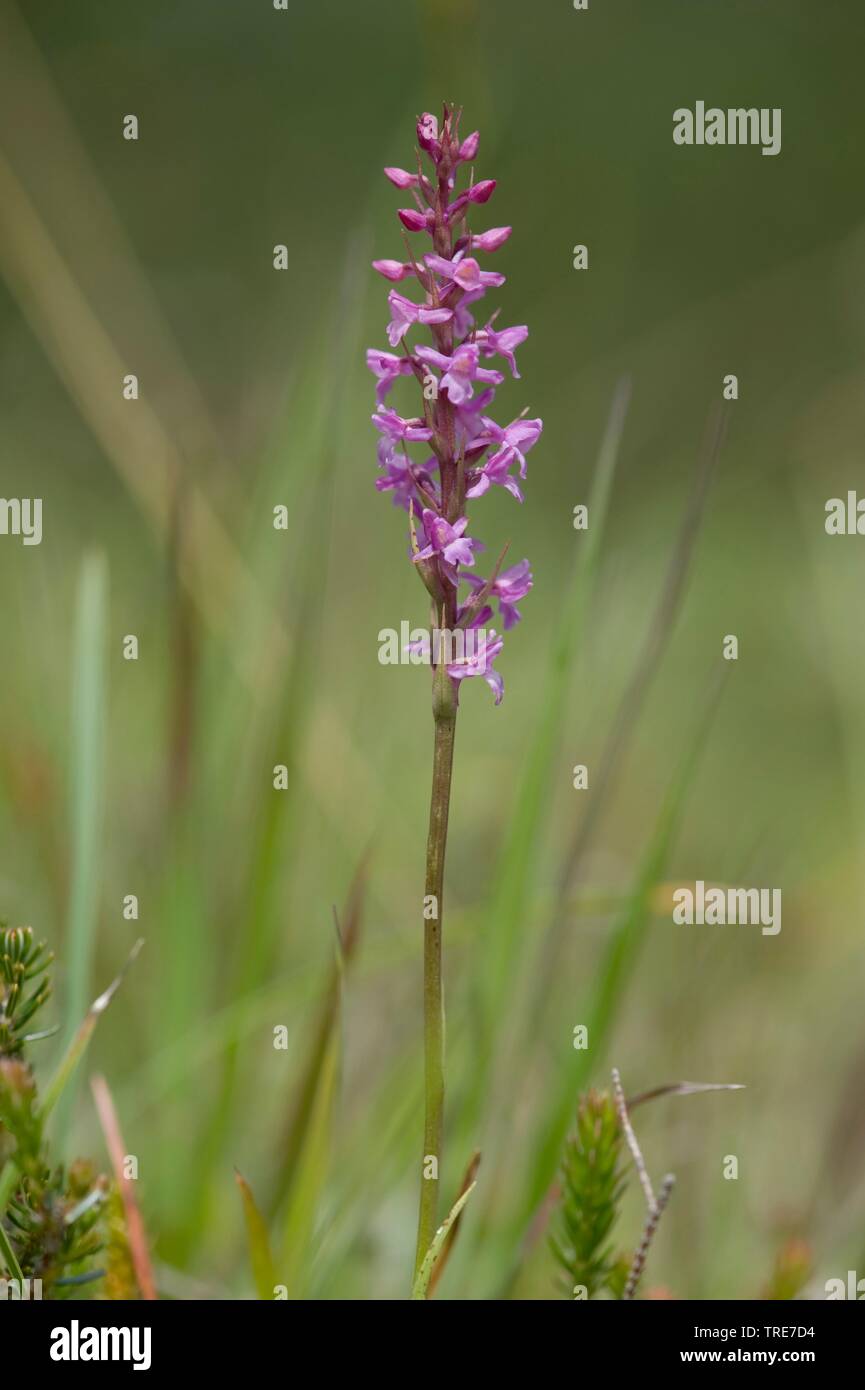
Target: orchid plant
x: 464, y: 453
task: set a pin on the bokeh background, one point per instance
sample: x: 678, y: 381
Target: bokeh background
x: 260, y: 647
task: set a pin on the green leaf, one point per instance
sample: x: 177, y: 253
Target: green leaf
x: 424, y: 1274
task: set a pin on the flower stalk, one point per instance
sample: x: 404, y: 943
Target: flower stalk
x: 433, y: 986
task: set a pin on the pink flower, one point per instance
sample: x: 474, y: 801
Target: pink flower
x: 387, y: 367
x: 401, y: 178
x: 403, y: 478
x: 514, y: 440
x: 463, y: 271
x: 415, y: 221
x: 449, y: 542
x: 486, y: 241
x: 478, y: 193
x: 460, y: 371
x: 502, y: 343
x: 509, y: 587
x: 395, y: 430
x: 481, y: 664
x: 404, y: 313
x: 494, y: 470
x: 469, y: 147
x: 394, y: 270
x: 427, y: 135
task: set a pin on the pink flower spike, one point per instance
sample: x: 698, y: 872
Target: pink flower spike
x: 453, y: 354
x: 401, y: 178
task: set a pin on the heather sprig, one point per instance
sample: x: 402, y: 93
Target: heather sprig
x: 434, y: 461
x: 24, y: 987
x: 593, y: 1181
x: 51, y: 1215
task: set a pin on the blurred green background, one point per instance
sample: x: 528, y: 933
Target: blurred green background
x: 260, y: 647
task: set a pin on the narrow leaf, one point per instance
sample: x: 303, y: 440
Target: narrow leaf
x: 89, y: 686
x: 467, y: 1182
x: 135, y: 1231
x: 309, y: 1176
x: 80, y: 1042
x: 258, y: 1241
x: 424, y: 1274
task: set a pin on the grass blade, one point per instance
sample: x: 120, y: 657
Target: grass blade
x: 88, y: 724
x: 81, y: 1039
x: 258, y: 1241
x: 309, y: 1176
x: 453, y: 1231
x: 135, y: 1231
x: 420, y: 1289
x: 328, y: 1021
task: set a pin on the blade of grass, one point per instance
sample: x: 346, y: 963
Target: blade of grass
x: 453, y: 1230
x: 328, y: 1021
x: 310, y: 1172
x: 258, y: 1242
x: 81, y: 1040
x: 88, y: 724
x: 420, y: 1289
x: 136, y: 1234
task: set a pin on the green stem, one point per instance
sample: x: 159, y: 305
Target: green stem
x: 444, y: 708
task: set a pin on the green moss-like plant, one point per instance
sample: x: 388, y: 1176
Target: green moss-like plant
x: 592, y: 1187
x: 51, y: 1216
